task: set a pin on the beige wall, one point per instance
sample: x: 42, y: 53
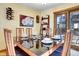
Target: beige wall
x: 20, y: 9
x: 13, y: 24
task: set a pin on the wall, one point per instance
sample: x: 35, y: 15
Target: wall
x: 13, y: 24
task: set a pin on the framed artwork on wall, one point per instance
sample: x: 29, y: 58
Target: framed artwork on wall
x: 26, y: 21
x: 9, y: 13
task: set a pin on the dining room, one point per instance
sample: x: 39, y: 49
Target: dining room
x: 35, y: 29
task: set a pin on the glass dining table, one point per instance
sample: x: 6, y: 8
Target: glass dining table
x: 34, y: 44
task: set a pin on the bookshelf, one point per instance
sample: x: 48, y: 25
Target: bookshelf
x: 45, y: 26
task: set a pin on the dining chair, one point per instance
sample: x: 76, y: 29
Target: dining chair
x: 19, y: 33
x: 67, y: 42
x: 29, y: 33
x: 9, y: 43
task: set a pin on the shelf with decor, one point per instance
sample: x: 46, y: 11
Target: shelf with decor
x: 45, y: 26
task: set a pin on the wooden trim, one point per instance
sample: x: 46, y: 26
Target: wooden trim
x: 2, y: 50
x: 54, y: 28
x: 68, y: 20
x: 68, y: 9
x: 27, y: 51
x: 48, y: 23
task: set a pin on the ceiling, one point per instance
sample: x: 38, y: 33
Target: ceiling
x: 42, y: 6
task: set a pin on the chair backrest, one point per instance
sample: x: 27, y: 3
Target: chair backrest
x: 67, y: 41
x: 9, y: 43
x: 29, y: 32
x: 19, y: 32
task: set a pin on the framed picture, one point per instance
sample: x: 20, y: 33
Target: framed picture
x: 26, y: 21
x: 9, y: 13
x: 37, y: 19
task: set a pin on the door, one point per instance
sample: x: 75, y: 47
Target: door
x: 60, y: 24
x: 60, y: 28
x: 74, y: 26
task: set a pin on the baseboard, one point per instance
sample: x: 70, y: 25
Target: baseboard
x: 2, y: 50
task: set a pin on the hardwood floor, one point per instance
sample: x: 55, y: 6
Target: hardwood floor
x: 3, y: 53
